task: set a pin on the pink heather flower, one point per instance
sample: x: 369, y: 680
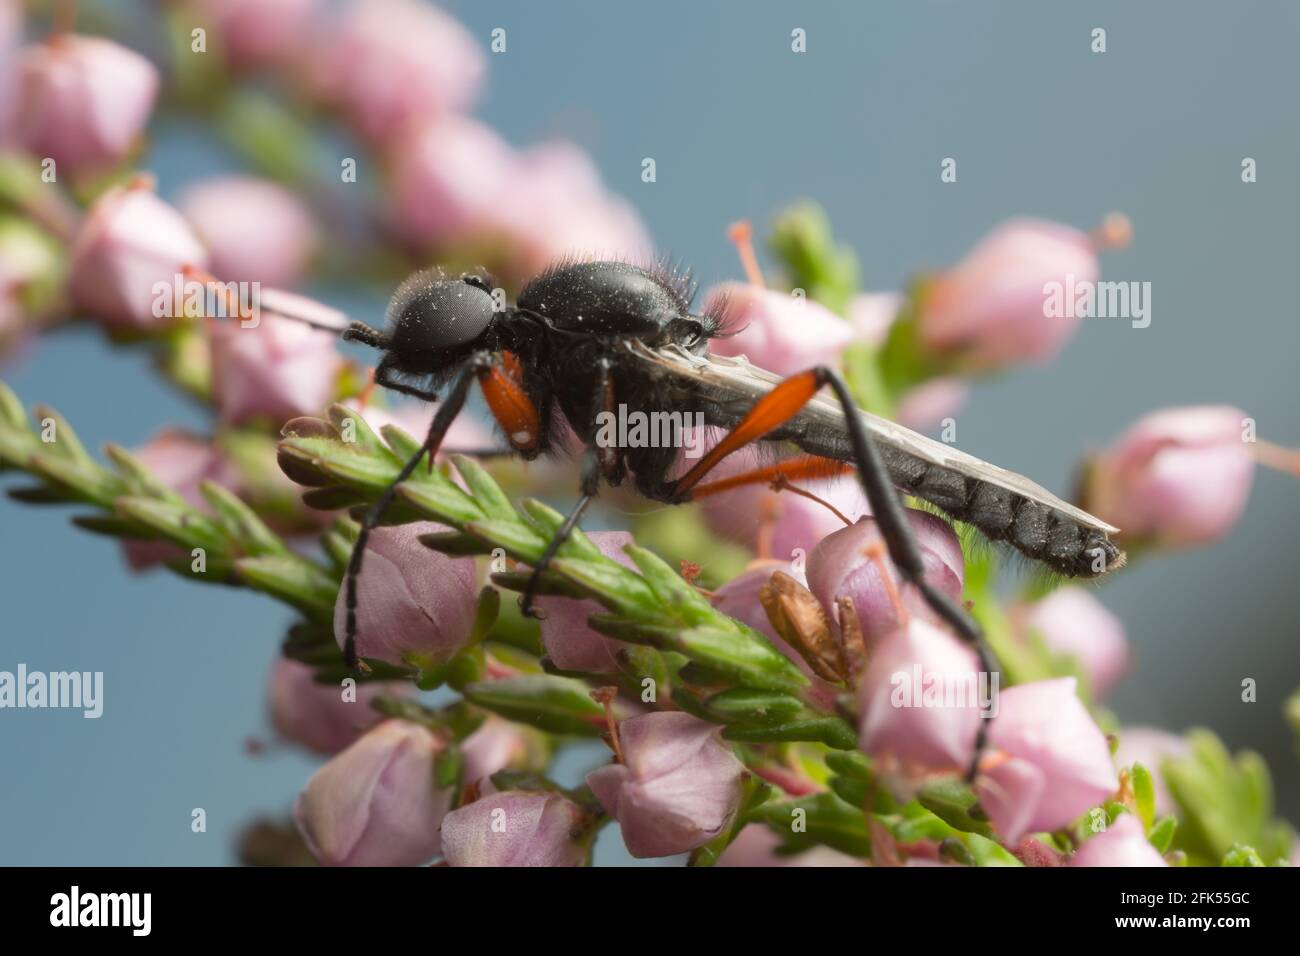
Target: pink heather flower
x: 317, y: 716
x: 787, y: 523
x: 1049, y: 762
x: 1121, y: 844
x: 182, y: 462
x: 1178, y: 477
x: 738, y: 598
x: 678, y: 786
x: 515, y: 828
x: 570, y: 643
x: 872, y: 315
x: 918, y: 701
x: 130, y: 242
x: 248, y: 33
x: 926, y: 405
x: 988, y: 311
x: 496, y: 745
x: 390, y: 63
x: 376, y: 804
x: 456, y: 182
x: 1151, y: 747
x: 81, y: 101
x: 777, y: 331
x: 1071, y: 622
x: 448, y: 180
x: 412, y: 602
x: 278, y: 369
x: 839, y: 567
x: 255, y: 230
x: 756, y: 845
x: 555, y: 206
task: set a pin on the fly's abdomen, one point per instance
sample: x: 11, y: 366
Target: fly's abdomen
x: 1035, y: 530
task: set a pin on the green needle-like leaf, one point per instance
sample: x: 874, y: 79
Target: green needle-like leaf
x: 561, y: 705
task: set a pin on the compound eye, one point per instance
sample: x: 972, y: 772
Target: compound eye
x: 430, y: 312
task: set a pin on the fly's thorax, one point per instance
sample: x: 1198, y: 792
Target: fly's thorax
x: 604, y: 298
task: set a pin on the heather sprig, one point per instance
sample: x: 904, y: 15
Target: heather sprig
x: 230, y: 545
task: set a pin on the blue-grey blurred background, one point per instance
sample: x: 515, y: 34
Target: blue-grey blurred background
x: 739, y: 126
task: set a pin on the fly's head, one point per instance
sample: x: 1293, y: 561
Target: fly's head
x: 435, y: 321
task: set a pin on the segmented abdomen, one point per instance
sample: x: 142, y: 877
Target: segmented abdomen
x: 1035, y: 530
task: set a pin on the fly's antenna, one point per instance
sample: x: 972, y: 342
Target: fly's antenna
x: 236, y: 301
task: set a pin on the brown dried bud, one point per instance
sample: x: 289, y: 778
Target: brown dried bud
x: 797, y: 616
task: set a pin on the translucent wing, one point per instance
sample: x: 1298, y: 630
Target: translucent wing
x: 821, y: 430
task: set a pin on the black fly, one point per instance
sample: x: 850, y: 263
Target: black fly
x: 587, y: 337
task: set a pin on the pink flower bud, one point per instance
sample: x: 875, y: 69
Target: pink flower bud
x: 928, y: 404
x: 677, y: 787
x: 322, y: 717
x: 786, y: 524
x: 376, y: 804
x: 81, y: 101
x: 1071, y: 622
x: 412, y: 602
x: 499, y: 744
x: 989, y: 310
x: 777, y: 331
x: 130, y: 242
x: 255, y: 230
x: 457, y: 182
x: 448, y: 179
x: 182, y: 462
x: 1151, y: 747
x: 556, y: 206
x: 872, y: 315
x: 1049, y: 763
x: 1177, y: 478
x: 919, y: 702
x: 389, y: 63
x: 570, y: 643
x: 278, y: 369
x: 1121, y: 844
x: 515, y: 828
x: 839, y: 567
x: 249, y: 33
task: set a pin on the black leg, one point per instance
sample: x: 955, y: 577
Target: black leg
x: 384, y: 379
x: 596, y: 462
x: 887, y: 509
x: 590, y: 485
x: 481, y: 452
x: 447, y: 413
